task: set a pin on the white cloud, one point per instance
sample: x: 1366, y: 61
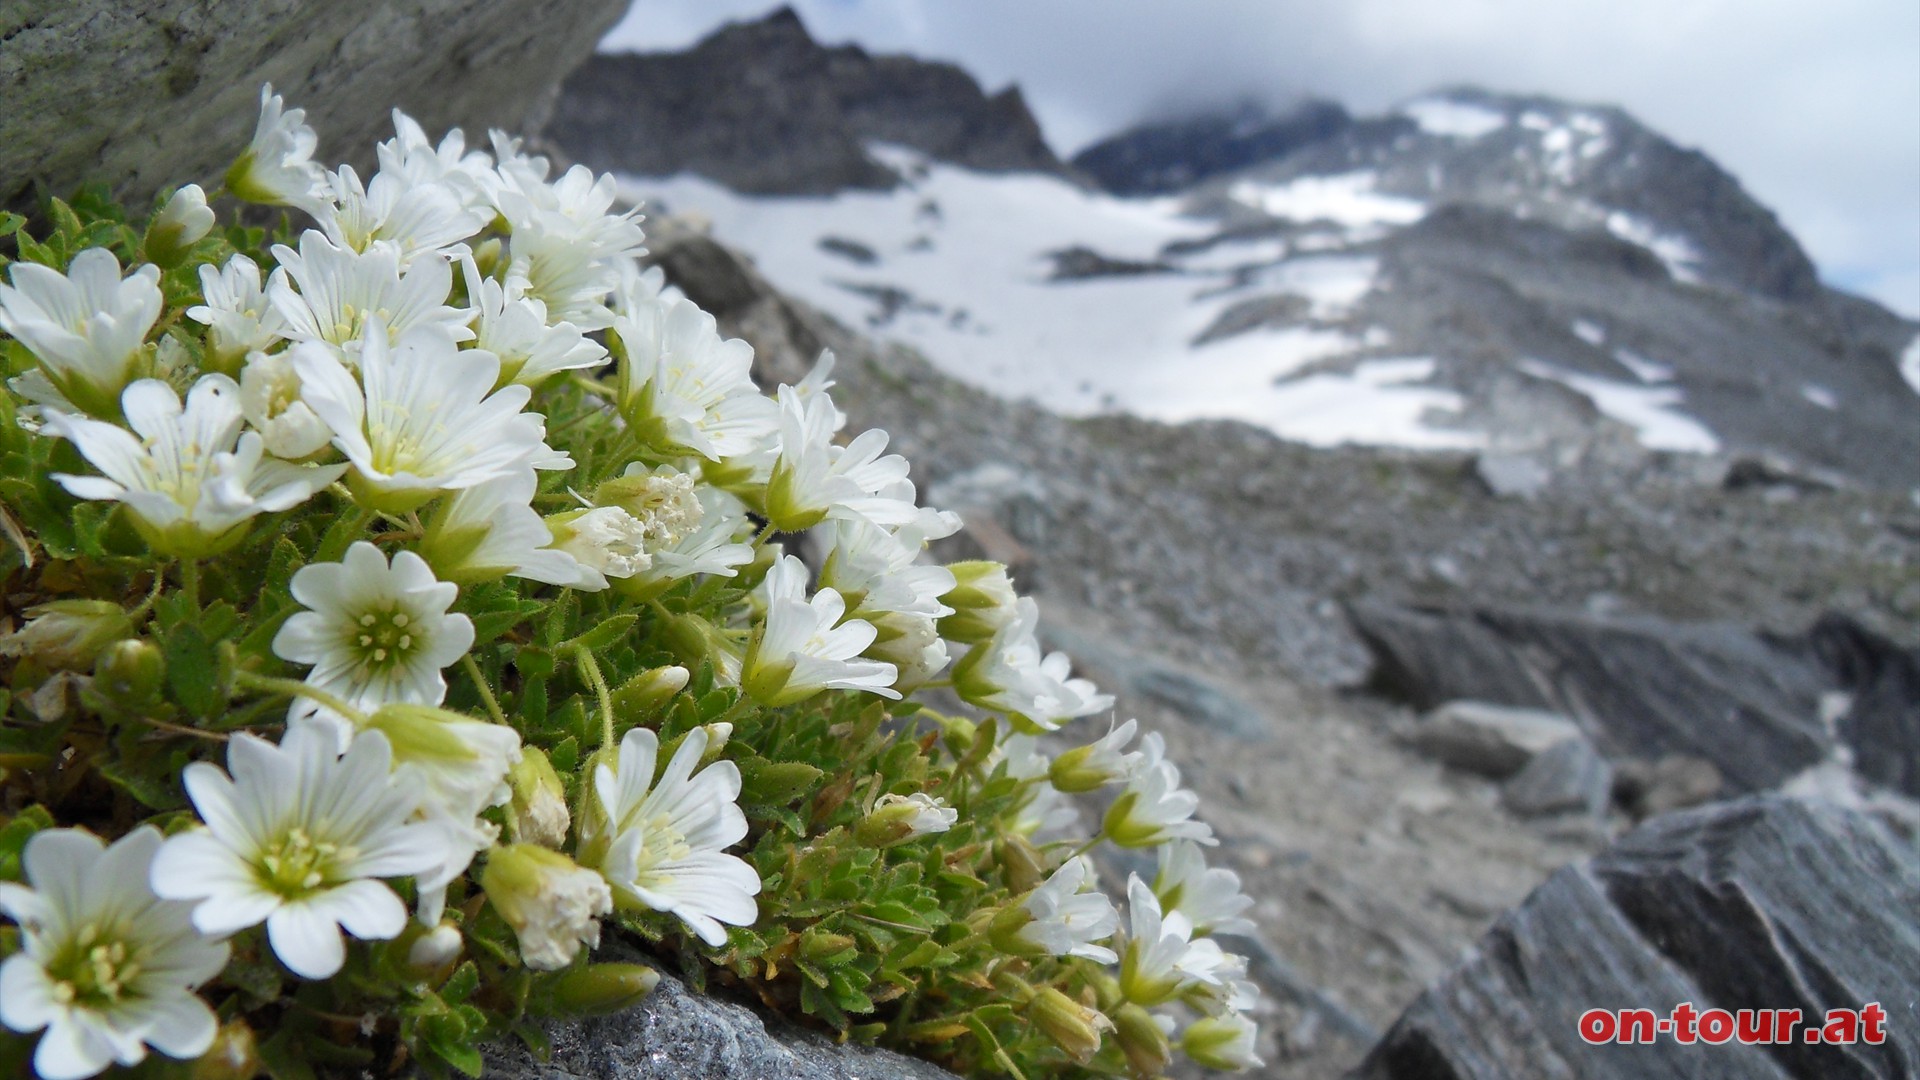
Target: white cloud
x: 1815, y: 107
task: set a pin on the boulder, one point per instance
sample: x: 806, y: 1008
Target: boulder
x: 1881, y: 724
x: 676, y: 1034
x: 1569, y: 777
x: 1640, y: 687
x: 1765, y: 902
x: 160, y: 93
x: 1492, y: 740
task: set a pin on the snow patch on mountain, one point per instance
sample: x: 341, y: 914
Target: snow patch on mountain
x: 1453, y: 119
x: 1910, y: 364
x: 1347, y: 199
x: 1681, y: 257
x: 1652, y: 411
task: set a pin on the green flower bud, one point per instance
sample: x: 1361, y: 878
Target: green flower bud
x: 486, y: 256
x: 1004, y: 931
x: 537, y: 813
x: 896, y: 819
x: 1021, y: 864
x: 129, y: 671
x: 1143, y: 1040
x: 179, y: 225
x: 234, y: 1055
x: 982, y: 601
x: 644, y: 696
x: 1221, y: 1042
x: 1073, y: 1026
x: 598, y: 989
x: 68, y: 634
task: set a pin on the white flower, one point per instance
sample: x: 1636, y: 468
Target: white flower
x: 270, y: 400
x: 1161, y: 959
x: 376, y: 632
x: 192, y: 478
x: 1154, y: 808
x: 1006, y: 673
x: 567, y: 251
x: 553, y: 904
x: 876, y: 570
x: 1210, y: 899
x: 415, y: 218
x: 105, y: 966
x: 183, y: 222
x: 277, y: 168
x: 297, y: 838
x: 421, y: 419
x: 1099, y: 763
x: 804, y: 647
x: 1043, y: 808
x: 411, y: 156
x: 1069, y: 914
x: 85, y: 326
x: 713, y: 546
x: 492, y: 530
x: 239, y: 317
x: 343, y: 294
x: 814, y: 479
x: 662, y: 845
x: 682, y: 387
x: 911, y: 643
x: 606, y: 541
x: 983, y: 601
x: 1224, y: 1042
x: 895, y: 819
x: 514, y: 328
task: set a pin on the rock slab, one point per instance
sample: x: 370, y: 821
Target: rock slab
x: 163, y: 92
x: 1765, y: 902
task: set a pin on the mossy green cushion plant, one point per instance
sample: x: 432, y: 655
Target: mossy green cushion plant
x: 394, y: 599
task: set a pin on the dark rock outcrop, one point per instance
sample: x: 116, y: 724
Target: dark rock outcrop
x: 1173, y: 155
x: 163, y: 92
x: 1764, y: 903
x: 1882, y: 720
x: 763, y: 108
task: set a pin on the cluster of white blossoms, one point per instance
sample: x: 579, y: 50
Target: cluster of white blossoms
x: 390, y: 360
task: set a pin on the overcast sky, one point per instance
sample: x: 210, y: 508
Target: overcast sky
x: 1813, y: 104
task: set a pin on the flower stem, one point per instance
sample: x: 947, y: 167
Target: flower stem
x: 591, y: 669
x: 480, y: 683
x: 765, y: 534
x: 190, y: 581
x: 293, y: 688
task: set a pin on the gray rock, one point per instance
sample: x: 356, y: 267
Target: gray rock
x: 1492, y: 740
x: 1882, y: 722
x: 1640, y: 687
x: 1766, y: 902
x: 1650, y: 788
x: 145, y: 95
x: 1203, y: 703
x: 1512, y: 476
x: 675, y: 1034
x: 1567, y: 777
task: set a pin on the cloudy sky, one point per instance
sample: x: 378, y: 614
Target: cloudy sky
x: 1813, y: 104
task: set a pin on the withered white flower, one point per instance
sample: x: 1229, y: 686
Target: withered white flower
x: 663, y: 845
x: 105, y: 966
x: 298, y: 837
x: 191, y: 478
x: 553, y: 904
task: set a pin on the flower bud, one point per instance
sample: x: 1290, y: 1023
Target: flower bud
x: 642, y: 697
x: 68, y: 634
x: 822, y: 947
x: 1073, y: 1026
x: 435, y: 950
x: 1004, y: 931
x: 598, y: 989
x: 694, y: 639
x: 719, y: 733
x: 982, y: 601
x: 1097, y: 764
x: 129, y: 671
x: 1143, y: 1038
x: 1021, y: 864
x: 552, y: 903
x: 1222, y: 1042
x: 234, y: 1055
x: 537, y: 813
x: 896, y: 819
x: 486, y: 255
x: 179, y: 225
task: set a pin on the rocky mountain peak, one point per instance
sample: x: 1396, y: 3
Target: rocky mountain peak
x: 764, y: 108
x: 1172, y: 155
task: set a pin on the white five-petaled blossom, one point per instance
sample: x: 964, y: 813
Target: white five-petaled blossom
x: 270, y: 400
x: 567, y: 251
x: 86, y: 326
x: 1210, y: 898
x: 413, y: 157
x: 1070, y: 915
x: 238, y: 316
x: 105, y: 966
x: 1224, y: 1042
x: 663, y: 845
x: 414, y: 218
x: 277, y: 168
x: 298, y: 838
x: 1154, y: 808
x: 189, y: 475
x: 805, y: 646
x: 681, y: 386
x: 1099, y: 763
x: 343, y: 294
x: 814, y: 479
x: 376, y: 633
x: 877, y: 571
x: 421, y: 420
x: 1161, y: 958
x: 485, y: 532
x: 514, y: 328
x: 1008, y: 674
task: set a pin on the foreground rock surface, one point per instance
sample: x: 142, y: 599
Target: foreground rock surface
x: 1767, y: 902
x: 676, y: 1034
x: 164, y: 92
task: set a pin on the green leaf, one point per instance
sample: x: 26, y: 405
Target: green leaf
x: 10, y: 222
x: 609, y: 631
x: 284, y: 1057
x: 149, y: 780
x: 461, y: 984
x: 14, y: 836
x: 776, y: 783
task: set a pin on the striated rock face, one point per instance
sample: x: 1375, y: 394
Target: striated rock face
x: 1758, y: 904
x: 676, y: 1034
x: 166, y: 91
x: 1171, y: 155
x: 763, y: 108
